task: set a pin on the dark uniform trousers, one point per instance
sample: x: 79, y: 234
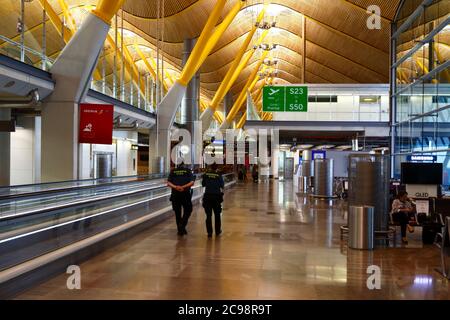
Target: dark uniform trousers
x: 212, y: 203
x: 182, y: 206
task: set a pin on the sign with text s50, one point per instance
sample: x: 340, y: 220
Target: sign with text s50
x: 96, y: 123
x: 285, y: 99
x: 296, y: 99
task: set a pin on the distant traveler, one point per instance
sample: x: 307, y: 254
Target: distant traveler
x: 213, y: 198
x: 242, y: 173
x: 255, y: 173
x: 402, y: 212
x: 181, y: 180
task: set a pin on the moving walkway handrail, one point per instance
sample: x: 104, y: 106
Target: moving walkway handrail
x: 78, y: 202
x: 83, y: 201
x: 75, y: 187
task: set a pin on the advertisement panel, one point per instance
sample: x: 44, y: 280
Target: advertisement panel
x: 96, y: 123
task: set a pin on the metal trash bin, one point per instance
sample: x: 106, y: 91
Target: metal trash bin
x: 361, y: 227
x: 303, y: 184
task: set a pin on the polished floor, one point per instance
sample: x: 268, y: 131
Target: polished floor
x: 275, y: 245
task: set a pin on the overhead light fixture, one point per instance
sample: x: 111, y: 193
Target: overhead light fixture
x: 184, y: 149
x: 305, y: 146
x: 264, y: 25
x: 269, y: 62
x: 268, y: 47
x: 327, y: 146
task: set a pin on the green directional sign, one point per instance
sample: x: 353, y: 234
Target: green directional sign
x: 296, y: 99
x: 285, y: 99
x: 273, y: 99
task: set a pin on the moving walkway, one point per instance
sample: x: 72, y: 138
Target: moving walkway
x: 46, y: 227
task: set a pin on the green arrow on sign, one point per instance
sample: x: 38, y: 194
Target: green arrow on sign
x: 273, y: 99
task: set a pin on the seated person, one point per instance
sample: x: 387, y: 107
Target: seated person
x: 402, y: 212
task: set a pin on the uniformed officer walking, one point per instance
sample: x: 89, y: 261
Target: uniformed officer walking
x: 213, y: 198
x: 181, y: 180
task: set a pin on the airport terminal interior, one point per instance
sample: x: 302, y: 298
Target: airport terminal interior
x: 316, y: 131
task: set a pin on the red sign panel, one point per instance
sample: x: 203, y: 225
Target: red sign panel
x: 96, y: 123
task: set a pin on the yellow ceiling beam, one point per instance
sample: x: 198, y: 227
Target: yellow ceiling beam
x: 54, y: 19
x: 441, y: 59
x: 227, y: 81
x: 128, y: 61
x: 258, y: 98
x: 242, y: 121
x: 191, y: 65
x: 218, y: 117
x: 106, y: 9
x: 203, y: 105
x: 62, y: 30
x: 252, y: 80
x: 218, y: 32
x: 161, y: 77
x: 146, y: 63
x: 421, y: 65
x: 168, y: 76
x: 246, y: 60
x: 259, y: 101
x: 67, y: 15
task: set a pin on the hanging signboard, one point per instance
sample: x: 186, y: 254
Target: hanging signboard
x: 319, y: 154
x: 285, y: 99
x: 96, y: 123
x: 422, y: 158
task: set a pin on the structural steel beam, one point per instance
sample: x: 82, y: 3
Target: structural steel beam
x: 218, y: 32
x: 132, y: 68
x: 228, y: 81
x: 168, y: 107
x: 62, y: 30
x: 241, y: 122
x: 251, y: 82
x: 191, y: 65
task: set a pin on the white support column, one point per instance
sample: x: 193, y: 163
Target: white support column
x: 72, y: 72
x: 191, y: 102
x: 5, y: 150
x: 37, y: 150
x: 59, y: 143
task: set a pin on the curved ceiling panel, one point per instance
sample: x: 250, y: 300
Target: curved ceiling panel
x: 149, y: 9
x: 339, y: 46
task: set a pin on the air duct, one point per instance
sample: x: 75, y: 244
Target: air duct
x: 30, y: 101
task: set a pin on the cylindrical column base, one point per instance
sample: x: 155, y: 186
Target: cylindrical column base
x: 5, y: 150
x: 360, y: 226
x: 323, y: 178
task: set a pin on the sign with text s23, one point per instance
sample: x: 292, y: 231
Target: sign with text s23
x: 296, y: 99
x: 96, y: 123
x: 285, y: 99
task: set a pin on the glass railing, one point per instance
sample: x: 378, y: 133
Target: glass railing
x: 26, y: 206
x: 353, y: 116
x: 126, y: 92
x: 27, y: 55
x: 51, y: 187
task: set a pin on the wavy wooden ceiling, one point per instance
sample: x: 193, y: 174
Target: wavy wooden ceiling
x: 339, y: 47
